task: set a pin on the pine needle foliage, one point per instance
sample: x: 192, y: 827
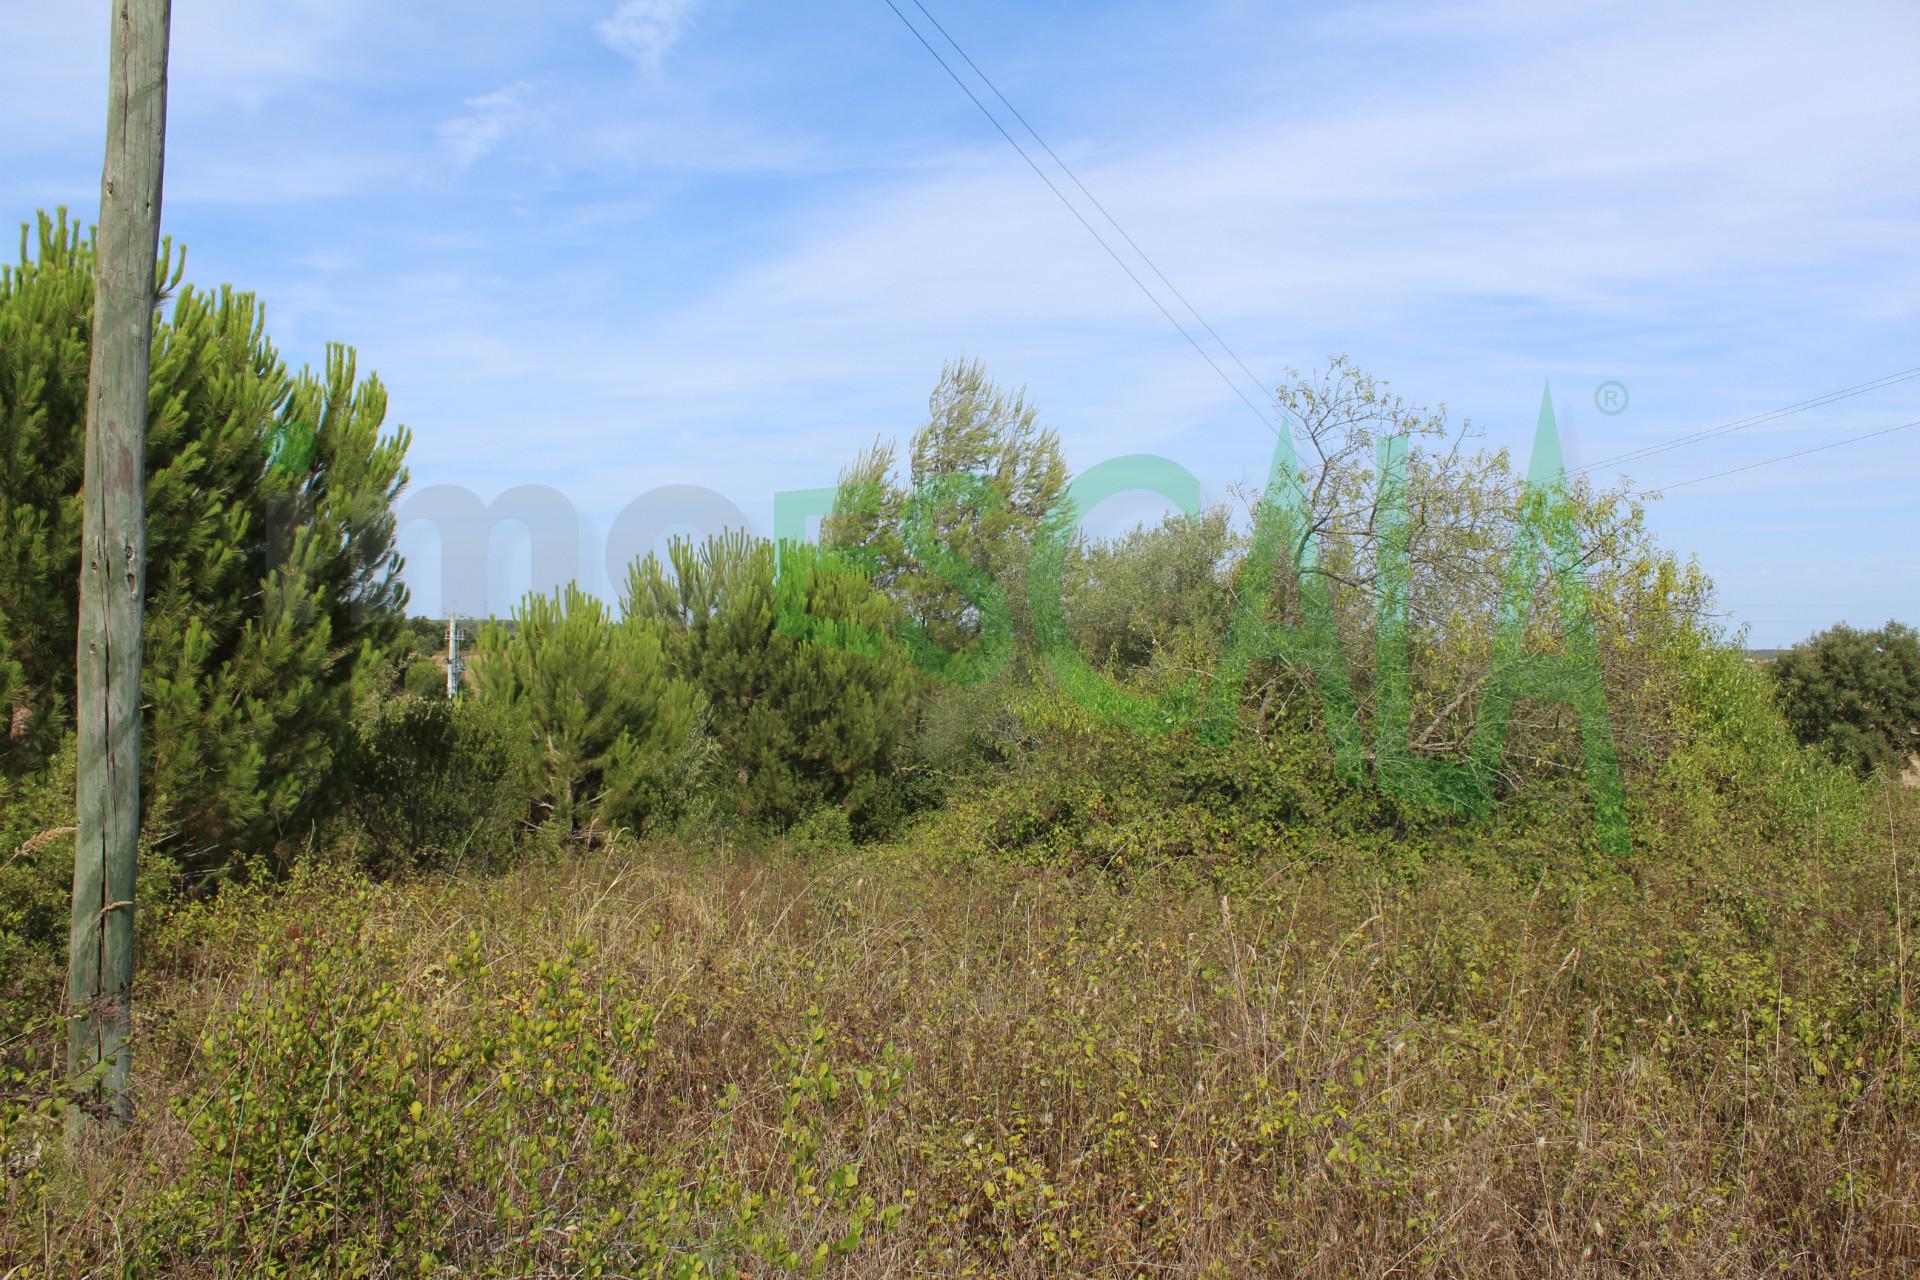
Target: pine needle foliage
x: 614, y: 729
x: 797, y: 724
x: 272, y: 582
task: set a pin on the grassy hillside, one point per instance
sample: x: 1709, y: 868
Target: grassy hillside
x: 903, y: 1061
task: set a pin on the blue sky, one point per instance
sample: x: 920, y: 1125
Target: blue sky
x: 608, y: 245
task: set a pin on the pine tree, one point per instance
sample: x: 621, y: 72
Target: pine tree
x: 614, y: 731
x: 272, y: 588
x: 797, y: 725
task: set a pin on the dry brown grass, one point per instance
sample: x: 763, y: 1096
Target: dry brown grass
x: 1701, y: 1074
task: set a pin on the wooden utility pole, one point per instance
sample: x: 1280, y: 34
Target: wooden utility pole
x: 113, y: 566
x: 453, y: 655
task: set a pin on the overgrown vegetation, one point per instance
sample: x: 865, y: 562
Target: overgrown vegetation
x: 917, y: 1060
x: 800, y: 916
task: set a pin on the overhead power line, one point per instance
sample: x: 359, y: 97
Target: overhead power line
x: 1787, y: 457
x: 1093, y: 199
x: 1634, y: 455
x: 1081, y: 218
x: 1742, y: 424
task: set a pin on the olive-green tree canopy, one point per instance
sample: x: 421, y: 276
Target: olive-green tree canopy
x: 1857, y: 693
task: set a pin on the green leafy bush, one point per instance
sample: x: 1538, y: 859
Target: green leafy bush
x: 318, y: 1108
x: 424, y: 678
x: 1141, y: 595
x: 36, y: 889
x: 1082, y: 791
x: 434, y: 783
x: 825, y: 830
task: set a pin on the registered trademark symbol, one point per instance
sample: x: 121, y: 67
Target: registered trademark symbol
x: 1610, y: 398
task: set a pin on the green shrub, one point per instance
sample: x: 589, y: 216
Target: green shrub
x: 1856, y: 694
x: 424, y: 678
x: 311, y: 1145
x: 434, y: 783
x: 1084, y: 791
x: 1736, y: 777
x: 36, y: 888
x: 824, y: 830
x: 1130, y: 598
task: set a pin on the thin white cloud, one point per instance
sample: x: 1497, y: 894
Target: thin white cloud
x: 1642, y: 185
x: 1715, y: 207
x: 1641, y: 172
x: 644, y: 30
x: 489, y: 119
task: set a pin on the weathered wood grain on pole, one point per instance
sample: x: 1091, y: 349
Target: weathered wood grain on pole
x: 113, y: 563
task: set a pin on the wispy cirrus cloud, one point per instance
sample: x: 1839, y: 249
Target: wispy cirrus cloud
x: 489, y: 119
x: 644, y: 30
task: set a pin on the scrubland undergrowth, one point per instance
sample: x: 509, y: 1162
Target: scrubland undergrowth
x: 902, y: 1062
